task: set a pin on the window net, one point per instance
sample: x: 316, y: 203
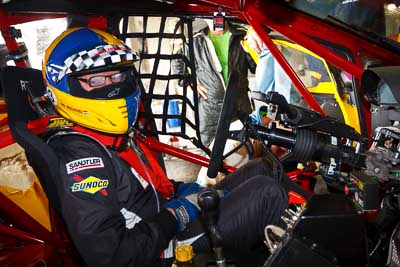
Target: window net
x: 167, y: 71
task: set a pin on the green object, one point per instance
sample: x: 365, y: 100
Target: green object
x: 221, y: 45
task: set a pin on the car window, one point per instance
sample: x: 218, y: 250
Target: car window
x: 330, y: 86
x: 310, y: 68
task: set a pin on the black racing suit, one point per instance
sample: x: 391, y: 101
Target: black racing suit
x: 113, y: 216
x: 103, y: 235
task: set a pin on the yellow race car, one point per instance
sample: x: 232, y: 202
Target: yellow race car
x: 330, y: 86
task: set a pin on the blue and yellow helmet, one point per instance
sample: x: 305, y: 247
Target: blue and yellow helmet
x: 81, y: 51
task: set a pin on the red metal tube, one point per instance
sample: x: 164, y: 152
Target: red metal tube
x: 10, y: 41
x: 13, y: 232
x: 6, y: 138
x: 302, y: 28
x: 22, y: 220
x: 155, y: 145
x: 3, y: 122
x: 310, y: 100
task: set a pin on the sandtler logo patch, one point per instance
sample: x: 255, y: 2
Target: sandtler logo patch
x: 83, y: 164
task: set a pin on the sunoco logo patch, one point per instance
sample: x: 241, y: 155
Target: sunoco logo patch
x: 83, y: 164
x: 90, y: 185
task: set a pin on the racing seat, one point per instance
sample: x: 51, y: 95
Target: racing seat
x: 22, y: 87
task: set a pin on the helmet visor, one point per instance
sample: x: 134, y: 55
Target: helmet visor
x: 116, y: 84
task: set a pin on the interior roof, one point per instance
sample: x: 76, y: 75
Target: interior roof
x: 89, y: 7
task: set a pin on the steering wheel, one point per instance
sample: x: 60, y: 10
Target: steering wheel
x: 224, y: 121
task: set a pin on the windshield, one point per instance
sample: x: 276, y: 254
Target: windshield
x: 370, y: 17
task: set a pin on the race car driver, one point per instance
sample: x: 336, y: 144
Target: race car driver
x: 119, y: 207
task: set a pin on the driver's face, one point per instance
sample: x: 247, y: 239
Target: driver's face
x: 96, y: 80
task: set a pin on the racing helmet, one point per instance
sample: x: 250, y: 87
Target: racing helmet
x: 78, y: 52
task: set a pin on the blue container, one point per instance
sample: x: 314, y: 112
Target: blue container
x: 173, y: 109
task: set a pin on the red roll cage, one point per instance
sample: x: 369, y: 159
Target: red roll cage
x: 304, y: 29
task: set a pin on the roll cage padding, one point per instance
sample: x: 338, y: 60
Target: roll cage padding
x: 16, y: 82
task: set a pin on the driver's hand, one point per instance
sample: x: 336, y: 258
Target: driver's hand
x: 202, y: 91
x: 185, y: 210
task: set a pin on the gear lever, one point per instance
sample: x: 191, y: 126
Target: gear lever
x: 208, y: 200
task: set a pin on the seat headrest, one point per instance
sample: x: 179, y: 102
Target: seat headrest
x: 16, y: 81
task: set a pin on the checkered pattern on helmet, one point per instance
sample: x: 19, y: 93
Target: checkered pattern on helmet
x: 99, y: 56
